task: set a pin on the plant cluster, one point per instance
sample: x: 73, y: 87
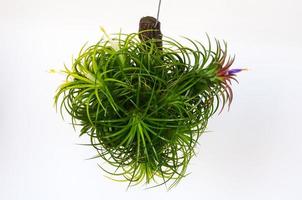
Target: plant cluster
x: 145, y: 107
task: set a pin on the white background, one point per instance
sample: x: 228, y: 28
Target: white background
x: 252, y: 152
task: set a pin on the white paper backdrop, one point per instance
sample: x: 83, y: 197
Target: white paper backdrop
x: 252, y: 152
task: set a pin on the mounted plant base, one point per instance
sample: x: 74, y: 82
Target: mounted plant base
x: 144, y: 100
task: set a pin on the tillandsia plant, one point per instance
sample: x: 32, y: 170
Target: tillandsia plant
x: 144, y: 99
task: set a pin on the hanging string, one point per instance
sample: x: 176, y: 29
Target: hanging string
x: 158, y: 10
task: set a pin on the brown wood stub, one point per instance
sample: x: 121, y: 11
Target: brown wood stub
x: 151, y: 30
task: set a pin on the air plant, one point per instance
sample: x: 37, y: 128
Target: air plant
x: 145, y: 102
